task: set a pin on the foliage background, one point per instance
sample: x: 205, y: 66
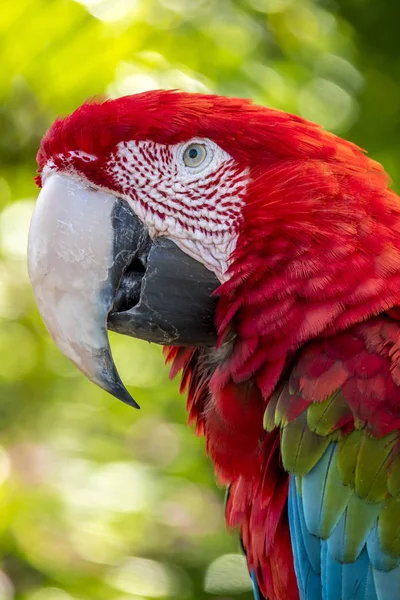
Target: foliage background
x: 98, y: 501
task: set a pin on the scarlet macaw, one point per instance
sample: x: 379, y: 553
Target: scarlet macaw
x: 264, y: 253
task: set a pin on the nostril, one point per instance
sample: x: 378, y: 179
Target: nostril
x: 128, y: 293
x: 140, y: 263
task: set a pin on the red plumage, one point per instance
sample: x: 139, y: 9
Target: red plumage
x: 317, y: 258
x: 319, y: 251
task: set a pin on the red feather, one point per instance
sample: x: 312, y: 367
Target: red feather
x: 317, y: 259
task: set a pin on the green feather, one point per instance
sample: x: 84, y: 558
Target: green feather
x: 269, y: 414
x: 336, y: 498
x: 394, y: 477
x: 347, y: 457
x: 323, y: 417
x: 389, y: 527
x: 360, y: 518
x: 301, y: 448
x: 282, y: 408
x: 372, y: 467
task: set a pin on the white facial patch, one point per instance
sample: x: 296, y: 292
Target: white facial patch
x: 198, y: 208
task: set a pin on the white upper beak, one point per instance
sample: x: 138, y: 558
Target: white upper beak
x: 70, y: 257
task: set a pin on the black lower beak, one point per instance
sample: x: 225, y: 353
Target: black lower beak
x: 165, y: 297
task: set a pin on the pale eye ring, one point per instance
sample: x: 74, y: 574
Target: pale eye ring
x: 194, y: 154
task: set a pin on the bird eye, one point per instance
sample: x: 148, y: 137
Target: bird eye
x: 194, y: 155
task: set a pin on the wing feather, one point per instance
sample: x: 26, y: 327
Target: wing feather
x: 339, y: 415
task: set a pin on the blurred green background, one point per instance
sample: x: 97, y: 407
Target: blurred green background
x: 98, y: 501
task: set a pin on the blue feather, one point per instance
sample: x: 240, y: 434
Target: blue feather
x: 311, y: 542
x: 332, y: 575
x: 379, y: 559
x: 318, y: 487
x: 349, y: 537
x: 256, y: 589
x: 350, y: 581
x: 321, y: 568
x: 370, y: 592
x: 307, y: 548
x: 337, y: 540
x: 387, y: 584
x: 355, y: 578
x: 313, y: 488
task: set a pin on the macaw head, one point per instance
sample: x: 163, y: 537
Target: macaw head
x: 153, y: 206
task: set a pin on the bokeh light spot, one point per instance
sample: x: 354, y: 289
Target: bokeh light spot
x: 18, y: 351
x: 327, y: 103
x: 6, y: 587
x: 152, y: 72
x: 50, y: 593
x: 115, y: 487
x: 340, y: 71
x: 228, y: 574
x: 270, y: 6
x: 5, y: 465
x: 14, y: 226
x: 111, y: 10
x: 144, y: 577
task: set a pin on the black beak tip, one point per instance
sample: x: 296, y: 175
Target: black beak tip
x: 121, y: 393
x: 114, y: 386
x: 108, y: 379
x: 127, y: 399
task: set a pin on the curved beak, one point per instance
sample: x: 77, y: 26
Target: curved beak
x: 93, y: 266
